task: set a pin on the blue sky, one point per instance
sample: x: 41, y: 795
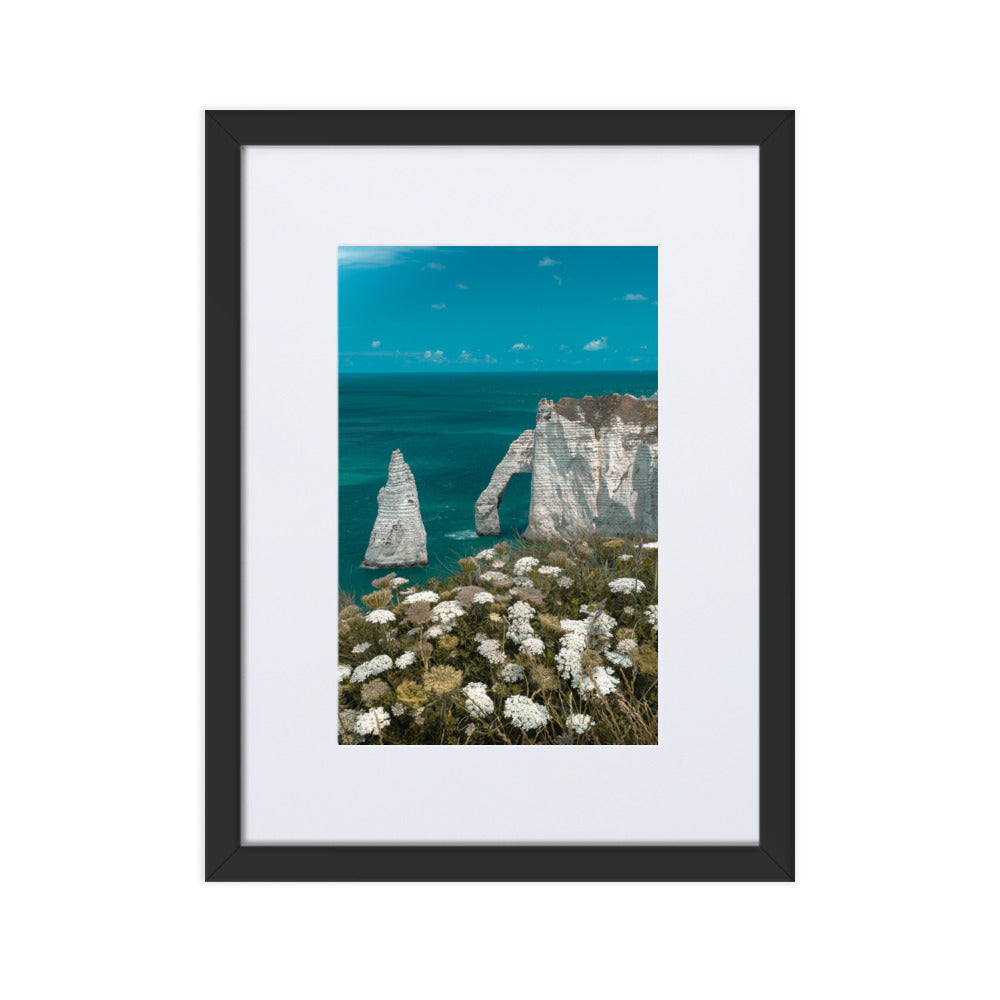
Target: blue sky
x: 497, y: 308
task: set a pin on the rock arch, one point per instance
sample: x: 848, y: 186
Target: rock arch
x: 517, y: 459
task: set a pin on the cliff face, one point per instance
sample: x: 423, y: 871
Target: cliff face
x: 593, y: 464
x: 398, y: 537
x: 594, y: 467
x: 517, y: 459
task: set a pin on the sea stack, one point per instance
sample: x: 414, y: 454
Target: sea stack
x: 398, y: 537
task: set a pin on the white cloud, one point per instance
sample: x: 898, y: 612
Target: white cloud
x: 434, y: 266
x: 633, y: 359
x: 465, y: 356
x: 548, y: 262
x: 596, y: 345
x: 464, y: 288
x: 376, y: 256
x: 558, y: 279
x: 635, y: 297
x: 434, y: 355
x: 522, y: 347
x: 564, y: 347
x: 439, y: 305
x: 376, y: 344
x: 490, y: 358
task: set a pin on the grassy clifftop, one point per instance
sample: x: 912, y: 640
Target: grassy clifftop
x: 539, y: 643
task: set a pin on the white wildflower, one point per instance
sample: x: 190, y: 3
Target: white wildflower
x: 371, y: 668
x: 653, y: 616
x: 628, y: 557
x: 343, y: 672
x: 549, y: 570
x: 523, y: 581
x: 626, y: 585
x: 483, y: 598
x: 521, y: 613
x: 569, y: 660
x: 490, y: 648
x: 398, y: 581
x: 498, y: 563
x: 646, y: 546
x: 511, y: 673
x: 499, y: 579
x: 619, y: 659
x: 485, y: 554
x: 564, y: 581
x: 477, y: 702
x: 524, y: 713
x: 525, y: 565
x: 627, y: 645
x: 579, y: 723
x: 380, y: 616
x: 361, y: 647
x: 436, y: 631
x: 447, y: 611
x: 533, y: 646
x: 422, y: 597
x: 406, y: 659
x: 398, y: 709
x: 372, y: 722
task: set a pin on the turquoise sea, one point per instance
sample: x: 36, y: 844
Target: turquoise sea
x: 453, y: 429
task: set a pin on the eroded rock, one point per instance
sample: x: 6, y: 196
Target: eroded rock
x: 517, y: 459
x: 398, y: 537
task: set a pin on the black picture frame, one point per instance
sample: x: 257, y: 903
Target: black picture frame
x: 226, y: 857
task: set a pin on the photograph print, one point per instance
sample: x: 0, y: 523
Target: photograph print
x: 498, y: 453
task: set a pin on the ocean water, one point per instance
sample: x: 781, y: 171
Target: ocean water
x: 453, y: 429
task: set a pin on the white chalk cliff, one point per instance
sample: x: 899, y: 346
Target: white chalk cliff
x: 517, y: 459
x: 593, y: 464
x: 398, y: 537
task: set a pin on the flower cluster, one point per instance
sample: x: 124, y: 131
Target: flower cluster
x: 579, y: 724
x: 422, y: 597
x: 380, y: 616
x: 626, y: 585
x: 477, y: 702
x: 361, y: 647
x: 549, y: 570
x: 653, y: 615
x: 525, y: 713
x: 490, y: 648
x: 483, y: 597
x: 498, y: 579
x: 525, y: 565
x: 620, y: 655
x: 521, y: 632
x: 372, y: 722
x: 371, y: 668
x: 447, y: 611
x: 581, y: 665
x: 511, y: 673
x: 343, y: 671
x: 406, y: 659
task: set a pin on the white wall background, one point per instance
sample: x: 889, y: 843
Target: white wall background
x: 100, y: 389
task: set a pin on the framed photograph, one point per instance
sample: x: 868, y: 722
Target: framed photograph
x: 499, y: 479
